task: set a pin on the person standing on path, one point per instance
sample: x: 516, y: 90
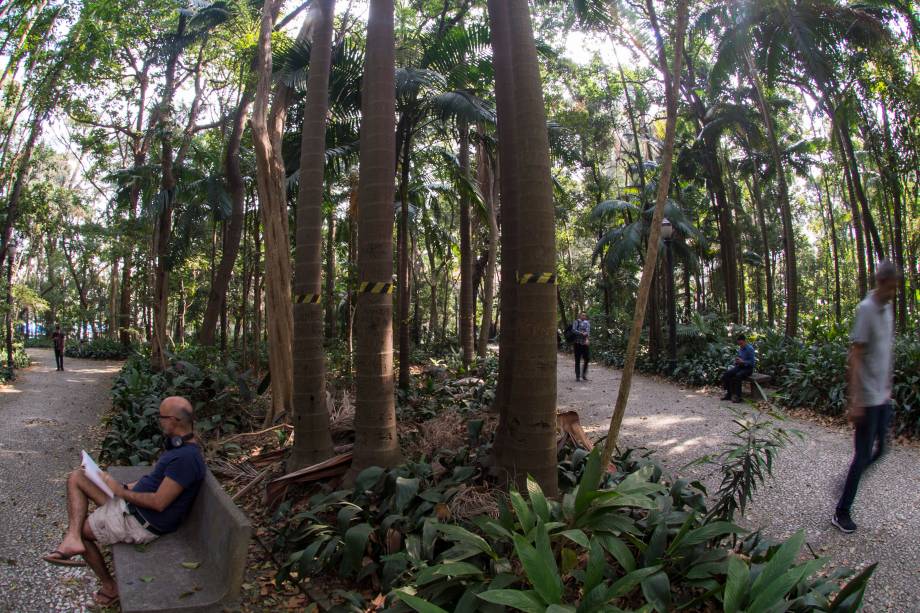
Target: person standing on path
x: 582, y: 330
x: 743, y: 368
x: 58, y: 338
x: 870, y: 375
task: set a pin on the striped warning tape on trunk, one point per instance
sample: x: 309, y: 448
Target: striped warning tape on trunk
x: 308, y: 298
x: 375, y: 288
x: 537, y: 277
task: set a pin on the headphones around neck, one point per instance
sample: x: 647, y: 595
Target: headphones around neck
x: 174, y: 442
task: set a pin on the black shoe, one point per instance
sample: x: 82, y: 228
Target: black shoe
x: 578, y: 378
x: 737, y: 400
x: 844, y: 522
x: 584, y: 379
x: 726, y: 397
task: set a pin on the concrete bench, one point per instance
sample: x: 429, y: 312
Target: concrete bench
x: 756, y: 382
x: 216, y: 534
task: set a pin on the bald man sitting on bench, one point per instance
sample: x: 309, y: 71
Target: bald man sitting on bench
x: 141, y: 511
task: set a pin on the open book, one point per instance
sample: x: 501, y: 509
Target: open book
x: 95, y: 474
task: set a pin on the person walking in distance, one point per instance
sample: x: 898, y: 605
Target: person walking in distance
x: 58, y: 338
x: 869, y: 378
x: 743, y: 368
x: 582, y: 330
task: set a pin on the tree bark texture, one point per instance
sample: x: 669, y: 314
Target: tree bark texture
x: 312, y: 441
x: 376, y: 443
x: 467, y: 304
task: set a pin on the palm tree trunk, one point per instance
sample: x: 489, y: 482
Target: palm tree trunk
x: 862, y: 276
x: 835, y: 250
x: 217, y: 296
x: 506, y: 101
x: 671, y: 76
x: 530, y: 416
x: 376, y: 443
x: 467, y: 303
x: 312, y: 441
x: 894, y: 181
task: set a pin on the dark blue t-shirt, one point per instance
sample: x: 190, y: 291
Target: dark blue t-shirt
x: 185, y: 466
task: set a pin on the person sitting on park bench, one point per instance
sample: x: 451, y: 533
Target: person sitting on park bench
x: 141, y: 511
x: 743, y: 368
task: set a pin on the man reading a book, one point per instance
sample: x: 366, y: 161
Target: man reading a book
x: 139, y: 512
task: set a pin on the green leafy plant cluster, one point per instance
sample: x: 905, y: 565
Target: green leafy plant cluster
x: 38, y: 342
x: 372, y: 529
x: 97, y: 349
x: 638, y: 541
x: 20, y: 360
x: 215, y: 391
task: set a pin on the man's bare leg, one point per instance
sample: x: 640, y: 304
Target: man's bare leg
x: 80, y: 490
x: 93, y: 557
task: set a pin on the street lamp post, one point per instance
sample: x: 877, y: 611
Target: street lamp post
x: 667, y: 231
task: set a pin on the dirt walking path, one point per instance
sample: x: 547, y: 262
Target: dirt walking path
x: 682, y: 424
x: 46, y: 418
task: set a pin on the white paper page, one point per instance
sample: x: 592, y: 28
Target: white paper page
x: 95, y: 475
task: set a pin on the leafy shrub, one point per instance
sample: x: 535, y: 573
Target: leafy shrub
x: 38, y: 342
x: 134, y: 435
x: 20, y: 360
x: 97, y: 349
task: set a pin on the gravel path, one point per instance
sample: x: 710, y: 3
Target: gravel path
x: 46, y: 417
x: 682, y: 424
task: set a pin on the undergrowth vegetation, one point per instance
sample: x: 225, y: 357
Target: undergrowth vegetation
x: 20, y: 360
x: 97, y: 349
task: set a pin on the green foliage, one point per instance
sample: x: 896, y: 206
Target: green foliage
x: 134, y: 436
x: 97, y: 349
x: 20, y: 360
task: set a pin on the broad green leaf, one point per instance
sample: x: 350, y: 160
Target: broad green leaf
x: 709, y: 532
x: 526, y: 601
x: 624, y: 585
x: 850, y: 597
x: 577, y: 536
x: 619, y: 550
x: 422, y: 606
x: 448, y: 569
x: 540, y: 565
x: 525, y: 517
x: 736, y: 585
x: 657, y: 591
x: 782, y: 559
x: 537, y: 499
x: 464, y: 536
x: 773, y: 593
x: 355, y: 544
x: 590, y: 479
x: 557, y: 608
x: 594, y: 572
x: 406, y: 489
x: 191, y: 565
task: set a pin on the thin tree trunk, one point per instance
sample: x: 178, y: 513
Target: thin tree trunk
x: 487, y: 187
x: 862, y: 276
x: 835, y: 250
x: 467, y: 297
x: 402, y: 282
x: 376, y: 443
x: 791, y: 267
x: 331, y: 328
x: 236, y: 187
x: 890, y: 171
x: 312, y: 441
x: 671, y: 76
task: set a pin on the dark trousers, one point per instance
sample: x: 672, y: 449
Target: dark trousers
x: 59, y: 358
x: 733, y: 377
x: 869, y: 432
x: 582, y: 352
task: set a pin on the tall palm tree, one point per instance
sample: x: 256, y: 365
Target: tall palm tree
x: 530, y: 416
x: 375, y: 409
x: 312, y: 441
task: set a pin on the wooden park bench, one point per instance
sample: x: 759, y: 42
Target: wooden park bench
x: 756, y: 381
x: 197, y: 568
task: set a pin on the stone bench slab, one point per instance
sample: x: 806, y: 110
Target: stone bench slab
x: 216, y: 534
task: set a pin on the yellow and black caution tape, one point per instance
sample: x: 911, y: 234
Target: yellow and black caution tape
x: 376, y: 288
x: 537, y: 277
x: 308, y: 298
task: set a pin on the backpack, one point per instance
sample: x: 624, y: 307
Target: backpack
x: 569, y: 333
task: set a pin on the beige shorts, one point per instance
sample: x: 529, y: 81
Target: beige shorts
x: 112, y: 523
